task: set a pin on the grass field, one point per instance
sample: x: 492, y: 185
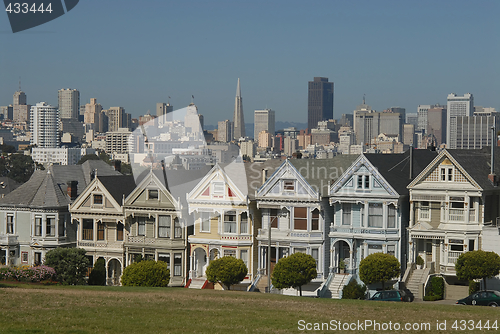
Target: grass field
x: 58, y: 309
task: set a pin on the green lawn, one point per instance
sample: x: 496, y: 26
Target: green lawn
x: 58, y: 309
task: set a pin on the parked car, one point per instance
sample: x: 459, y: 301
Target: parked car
x: 394, y: 296
x: 485, y: 298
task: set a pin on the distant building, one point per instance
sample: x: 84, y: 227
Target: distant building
x: 369, y: 124
x: 457, y: 106
x: 92, y: 115
x: 264, y: 120
x: 409, y: 135
x: 163, y: 109
x: 248, y: 149
x: 44, y: 125
x: 436, y: 125
x: 474, y: 132
x: 7, y: 112
x: 20, y: 108
x: 59, y: 155
x: 238, y: 119
x: 265, y: 139
x: 117, y: 118
x: 69, y: 103
x: 291, y: 146
x: 117, y: 141
x: 320, y: 101
x: 19, y: 98
x: 225, y: 131
x: 347, y: 120
x: 412, y: 118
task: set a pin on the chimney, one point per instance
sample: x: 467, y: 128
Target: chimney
x: 264, y: 175
x: 72, y: 189
x: 118, y: 165
x: 492, y: 176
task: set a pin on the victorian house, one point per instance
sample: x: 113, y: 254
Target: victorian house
x: 371, y: 211
x: 34, y: 218
x: 453, y: 203
x: 295, y: 215
x: 100, y: 219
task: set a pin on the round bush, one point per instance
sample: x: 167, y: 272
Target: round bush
x: 146, y: 273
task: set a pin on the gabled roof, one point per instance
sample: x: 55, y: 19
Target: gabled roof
x: 475, y: 164
x: 395, y: 168
x: 119, y: 186
x: 7, y: 185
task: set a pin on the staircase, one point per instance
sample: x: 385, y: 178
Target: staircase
x: 197, y: 283
x: 337, y: 284
x: 416, y: 282
x: 261, y: 284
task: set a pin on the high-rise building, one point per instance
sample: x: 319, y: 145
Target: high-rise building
x: 412, y: 118
x: 93, y: 112
x: 457, y: 106
x: 69, y: 103
x: 238, y: 119
x: 320, y: 101
x: 20, y: 110
x: 225, y: 131
x: 409, y: 135
x: 473, y: 132
x: 192, y: 120
x: 422, y: 116
x: 117, y: 118
x: 19, y: 98
x: 264, y: 120
x: 369, y: 124
x: 163, y: 109
x: 436, y: 124
x: 44, y: 125
x: 347, y: 120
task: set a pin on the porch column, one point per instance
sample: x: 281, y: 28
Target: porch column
x: 412, y: 214
x: 7, y: 251
x: 350, y: 258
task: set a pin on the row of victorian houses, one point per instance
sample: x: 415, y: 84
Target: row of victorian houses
x: 339, y: 210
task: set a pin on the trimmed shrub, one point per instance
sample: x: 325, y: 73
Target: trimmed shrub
x: 420, y: 261
x: 146, y: 273
x: 227, y: 270
x: 98, y: 274
x: 354, y: 290
x: 474, y: 287
x: 435, y: 289
x: 294, y: 271
x: 379, y: 267
x: 70, y: 265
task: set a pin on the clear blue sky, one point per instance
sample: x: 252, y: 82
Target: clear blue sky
x: 136, y: 53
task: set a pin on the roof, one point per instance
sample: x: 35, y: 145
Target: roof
x: 7, y: 185
x: 119, y: 186
x: 395, y: 168
x: 48, y: 188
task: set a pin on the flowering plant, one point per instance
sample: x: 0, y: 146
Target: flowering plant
x: 27, y: 274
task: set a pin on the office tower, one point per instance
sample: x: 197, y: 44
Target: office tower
x: 422, y: 116
x: 474, y: 132
x: 369, y: 124
x: 412, y: 118
x: 291, y: 146
x: 264, y: 120
x: 192, y: 120
x: 7, y: 112
x: 481, y: 111
x: 399, y: 110
x: 19, y: 98
x: 44, y: 125
x: 69, y: 103
x: 436, y: 124
x: 238, y: 119
x: 319, y: 102
x: 265, y: 139
x: 163, y: 109
x: 409, y: 134
x: 117, y: 118
x: 92, y: 113
x: 457, y: 106
x: 225, y: 131
x: 347, y: 120
x: 117, y: 141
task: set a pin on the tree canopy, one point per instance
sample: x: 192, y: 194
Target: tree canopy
x: 18, y: 167
x: 70, y: 265
x: 87, y: 157
x: 379, y: 267
x: 294, y: 271
x: 477, y: 265
x: 227, y: 270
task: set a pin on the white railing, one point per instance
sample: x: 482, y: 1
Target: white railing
x: 453, y: 256
x: 456, y: 215
x: 141, y: 239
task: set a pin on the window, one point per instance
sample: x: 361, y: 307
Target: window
x: 360, y: 181
x: 10, y: 224
x: 456, y: 245
x: 141, y: 226
x: 374, y: 249
x: 38, y: 258
x: 288, y: 185
x: 153, y: 194
x: 299, y: 250
x: 119, y: 232
x: 61, y: 228
x: 447, y: 174
x: 88, y: 229
x: 300, y: 218
x: 205, y: 222
x: 97, y: 199
x: 346, y: 214
x: 230, y: 252
x: 375, y: 215
x: 177, y: 264
x: 218, y: 188
x: 50, y: 227
x: 315, y: 220
x: 274, y: 214
x: 363, y: 182
x: 164, y: 226
x: 391, y: 249
x: 391, y: 216
x: 165, y: 258
x: 424, y: 211
x: 230, y: 222
x: 315, y: 255
x: 100, y: 231
x: 367, y: 181
x: 24, y: 257
x: 471, y: 245
x: 177, y: 228
x: 244, y: 223
x: 38, y: 226
x: 244, y: 257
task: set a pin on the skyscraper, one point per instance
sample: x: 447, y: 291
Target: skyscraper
x: 44, y: 125
x: 20, y: 110
x: 320, y: 101
x: 19, y: 98
x: 225, y: 131
x: 264, y: 120
x: 457, y: 106
x: 238, y: 119
x: 69, y: 103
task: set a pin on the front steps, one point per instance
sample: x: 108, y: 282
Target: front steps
x: 337, y: 284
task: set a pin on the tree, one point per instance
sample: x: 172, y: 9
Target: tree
x: 477, y: 264
x: 227, y: 270
x: 98, y: 274
x: 146, y: 273
x: 294, y: 271
x: 87, y: 157
x: 353, y: 290
x: 70, y: 265
x: 379, y: 267
x: 18, y: 167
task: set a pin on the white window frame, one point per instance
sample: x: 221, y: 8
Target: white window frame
x: 157, y: 195
x: 218, y: 188
x: 205, y: 220
x: 230, y: 223
x: 10, y: 222
x: 166, y: 227
x: 289, y: 184
x: 346, y: 212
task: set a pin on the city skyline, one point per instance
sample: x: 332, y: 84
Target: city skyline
x: 397, y: 54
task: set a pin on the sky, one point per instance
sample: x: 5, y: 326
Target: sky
x: 134, y: 54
